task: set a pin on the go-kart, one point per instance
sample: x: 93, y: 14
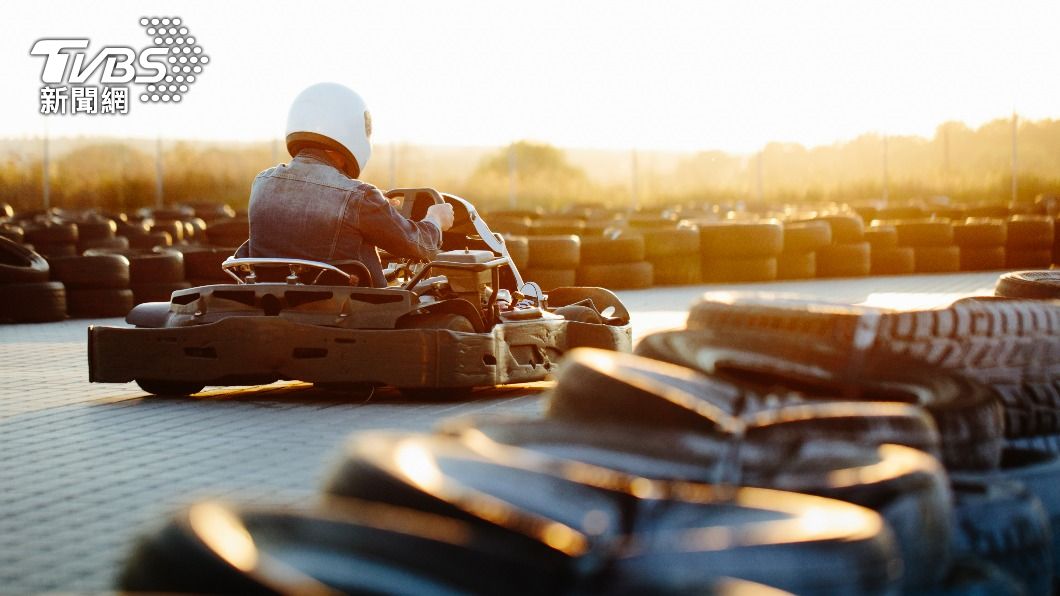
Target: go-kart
x: 465, y: 319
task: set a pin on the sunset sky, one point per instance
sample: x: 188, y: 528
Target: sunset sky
x: 661, y: 75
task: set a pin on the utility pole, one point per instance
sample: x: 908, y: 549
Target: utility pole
x: 759, y: 193
x: 946, y: 153
x: 393, y: 165
x: 1015, y: 157
x: 511, y: 176
x: 45, y: 184
x: 886, y: 173
x: 633, y: 180
x: 158, y: 172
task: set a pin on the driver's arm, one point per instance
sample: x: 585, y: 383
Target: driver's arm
x: 381, y: 224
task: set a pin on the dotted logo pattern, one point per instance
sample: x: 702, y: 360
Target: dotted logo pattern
x: 185, y: 59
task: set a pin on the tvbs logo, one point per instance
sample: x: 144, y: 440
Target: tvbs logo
x: 164, y: 70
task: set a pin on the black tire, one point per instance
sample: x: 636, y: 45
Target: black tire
x: 980, y: 233
x: 719, y: 240
x: 908, y: 211
x: 349, y: 547
x: 989, y: 210
x: 95, y: 271
x: 1006, y: 524
x: 514, y: 226
x: 608, y: 250
x: 518, y: 250
x: 676, y: 270
x: 906, y: 486
x: 37, y: 302
x: 617, y: 276
x: 592, y: 509
x: 1046, y: 443
x: 1028, y: 258
x: 557, y: 226
x: 52, y: 234
x: 974, y: 576
x: 55, y: 250
x: 550, y: 279
x: 175, y: 558
x: 738, y: 269
x: 806, y: 236
x: 1030, y: 233
x: 229, y: 232
x: 437, y: 320
x: 844, y: 260
x: 797, y: 265
x: 94, y: 230
x: 670, y: 242
x: 115, y: 243
x: 170, y: 388
x: 205, y: 264
x: 147, y: 242
x: 166, y: 266
x: 1039, y: 472
x: 937, y: 259
x: 157, y: 291
x: 19, y: 264
x: 1002, y: 343
x: 12, y: 232
x: 881, y: 237
x: 1034, y: 285
x: 924, y: 233
x: 982, y: 259
x: 846, y: 229
x: 892, y: 261
x: 103, y: 302
x: 597, y: 387
x: 968, y: 415
x: 174, y: 228
x: 554, y: 252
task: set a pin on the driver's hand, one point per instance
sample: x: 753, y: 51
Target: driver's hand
x: 441, y: 215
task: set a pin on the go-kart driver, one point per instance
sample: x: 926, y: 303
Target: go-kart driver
x: 315, y: 208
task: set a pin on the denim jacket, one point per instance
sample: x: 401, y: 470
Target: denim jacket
x: 308, y: 209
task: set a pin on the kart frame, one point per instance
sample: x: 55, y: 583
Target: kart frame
x: 259, y: 332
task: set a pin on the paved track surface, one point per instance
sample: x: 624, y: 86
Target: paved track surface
x: 85, y: 467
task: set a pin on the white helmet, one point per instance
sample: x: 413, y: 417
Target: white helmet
x: 331, y: 116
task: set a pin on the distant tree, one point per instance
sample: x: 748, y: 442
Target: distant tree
x: 542, y: 177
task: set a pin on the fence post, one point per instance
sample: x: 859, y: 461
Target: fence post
x: 45, y: 184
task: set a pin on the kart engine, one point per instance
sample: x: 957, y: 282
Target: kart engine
x: 464, y: 281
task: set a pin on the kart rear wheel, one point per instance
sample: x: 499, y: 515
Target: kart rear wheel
x: 169, y: 387
x: 438, y: 320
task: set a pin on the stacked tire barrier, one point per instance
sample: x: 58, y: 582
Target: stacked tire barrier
x: 614, y: 260
x: 26, y: 294
x: 553, y: 260
x: 802, y: 240
x: 739, y: 251
x: 96, y: 285
x: 849, y: 255
x: 1029, y: 244
x: 773, y: 443
x: 982, y: 243
x: 886, y: 257
x: 673, y: 252
x: 933, y: 245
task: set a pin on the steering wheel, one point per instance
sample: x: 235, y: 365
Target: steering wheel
x: 414, y: 209
x: 411, y: 206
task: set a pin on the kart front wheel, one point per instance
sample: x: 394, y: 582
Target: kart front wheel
x: 169, y: 387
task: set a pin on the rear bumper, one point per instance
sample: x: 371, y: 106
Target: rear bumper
x: 254, y: 350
